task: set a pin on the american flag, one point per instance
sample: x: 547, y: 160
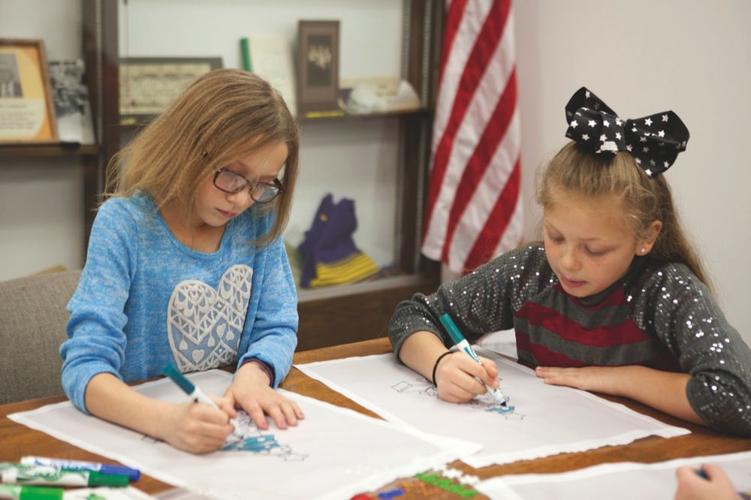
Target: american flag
x: 473, y: 208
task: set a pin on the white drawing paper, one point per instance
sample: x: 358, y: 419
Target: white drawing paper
x: 545, y: 420
x: 333, y: 453
x: 502, y: 342
x: 618, y: 481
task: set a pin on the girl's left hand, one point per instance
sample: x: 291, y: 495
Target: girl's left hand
x: 603, y: 379
x: 250, y: 390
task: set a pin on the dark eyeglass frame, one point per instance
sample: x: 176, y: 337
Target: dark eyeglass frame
x: 275, y: 185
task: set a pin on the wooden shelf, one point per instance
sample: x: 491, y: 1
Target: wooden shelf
x: 360, y: 116
x: 376, y: 285
x: 47, y: 149
x: 332, y: 116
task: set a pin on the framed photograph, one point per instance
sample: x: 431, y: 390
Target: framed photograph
x: 318, y: 66
x: 149, y: 84
x: 71, y: 98
x: 26, y: 110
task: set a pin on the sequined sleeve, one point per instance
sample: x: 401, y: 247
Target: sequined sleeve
x: 682, y: 313
x: 481, y: 302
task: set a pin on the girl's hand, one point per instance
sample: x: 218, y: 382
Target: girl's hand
x: 251, y: 391
x: 457, y: 375
x: 603, y: 379
x: 691, y: 486
x: 196, y: 427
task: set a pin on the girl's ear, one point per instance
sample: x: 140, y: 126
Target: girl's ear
x: 645, y: 244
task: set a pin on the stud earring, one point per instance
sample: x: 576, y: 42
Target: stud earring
x: 643, y: 250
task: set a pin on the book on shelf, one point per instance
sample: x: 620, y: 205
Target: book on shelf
x: 270, y: 57
x: 71, y: 99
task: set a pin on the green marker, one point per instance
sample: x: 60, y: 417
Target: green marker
x: 16, y: 492
x: 53, y: 476
x: 30, y: 492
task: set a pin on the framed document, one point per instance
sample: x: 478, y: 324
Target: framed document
x: 318, y: 66
x: 26, y: 110
x: 149, y: 84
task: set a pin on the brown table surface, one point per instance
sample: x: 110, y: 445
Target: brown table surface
x: 17, y: 440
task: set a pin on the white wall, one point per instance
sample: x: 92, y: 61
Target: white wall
x: 640, y: 56
x: 41, y: 200
x: 356, y: 159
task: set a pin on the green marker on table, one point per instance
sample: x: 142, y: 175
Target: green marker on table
x: 52, y: 476
x: 15, y: 492
x: 461, y: 343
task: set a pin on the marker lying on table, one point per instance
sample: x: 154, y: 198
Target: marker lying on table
x: 16, y: 492
x: 461, y: 343
x: 53, y: 476
x: 133, y: 474
x: 189, y: 387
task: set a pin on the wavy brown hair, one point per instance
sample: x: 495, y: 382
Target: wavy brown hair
x: 222, y: 116
x: 646, y: 199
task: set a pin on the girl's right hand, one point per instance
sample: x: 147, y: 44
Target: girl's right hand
x: 457, y: 377
x: 196, y: 427
x: 691, y: 486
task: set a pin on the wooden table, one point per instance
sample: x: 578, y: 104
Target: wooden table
x: 17, y: 440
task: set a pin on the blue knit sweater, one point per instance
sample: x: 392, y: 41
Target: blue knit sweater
x: 146, y: 300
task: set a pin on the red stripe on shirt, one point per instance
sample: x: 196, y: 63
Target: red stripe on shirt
x: 544, y: 356
x: 568, y: 329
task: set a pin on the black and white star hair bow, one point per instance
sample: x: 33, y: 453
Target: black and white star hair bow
x: 654, y: 141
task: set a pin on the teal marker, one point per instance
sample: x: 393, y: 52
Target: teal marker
x: 461, y: 343
x: 192, y: 390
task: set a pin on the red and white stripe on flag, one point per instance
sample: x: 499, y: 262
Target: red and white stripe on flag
x: 473, y: 210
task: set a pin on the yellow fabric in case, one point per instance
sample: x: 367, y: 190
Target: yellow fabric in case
x: 350, y: 270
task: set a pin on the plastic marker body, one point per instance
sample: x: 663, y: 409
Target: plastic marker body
x: 461, y: 343
x: 133, y: 474
x: 16, y: 492
x: 53, y: 476
x: 189, y: 387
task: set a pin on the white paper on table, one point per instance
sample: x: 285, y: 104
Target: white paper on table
x: 546, y: 420
x: 621, y: 481
x: 333, y: 453
x: 502, y: 342
x: 106, y: 493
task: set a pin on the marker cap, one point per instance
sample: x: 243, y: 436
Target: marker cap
x: 133, y: 474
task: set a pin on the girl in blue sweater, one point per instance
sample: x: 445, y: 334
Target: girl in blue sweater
x: 186, y: 265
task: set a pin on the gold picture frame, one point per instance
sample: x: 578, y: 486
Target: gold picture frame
x: 317, y: 66
x: 149, y: 84
x: 27, y: 113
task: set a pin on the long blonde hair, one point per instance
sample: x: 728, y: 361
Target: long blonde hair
x: 645, y: 199
x: 224, y: 115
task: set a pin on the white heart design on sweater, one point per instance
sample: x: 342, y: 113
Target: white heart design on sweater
x: 204, y: 325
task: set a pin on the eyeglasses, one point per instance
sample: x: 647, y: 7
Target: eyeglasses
x: 261, y: 192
